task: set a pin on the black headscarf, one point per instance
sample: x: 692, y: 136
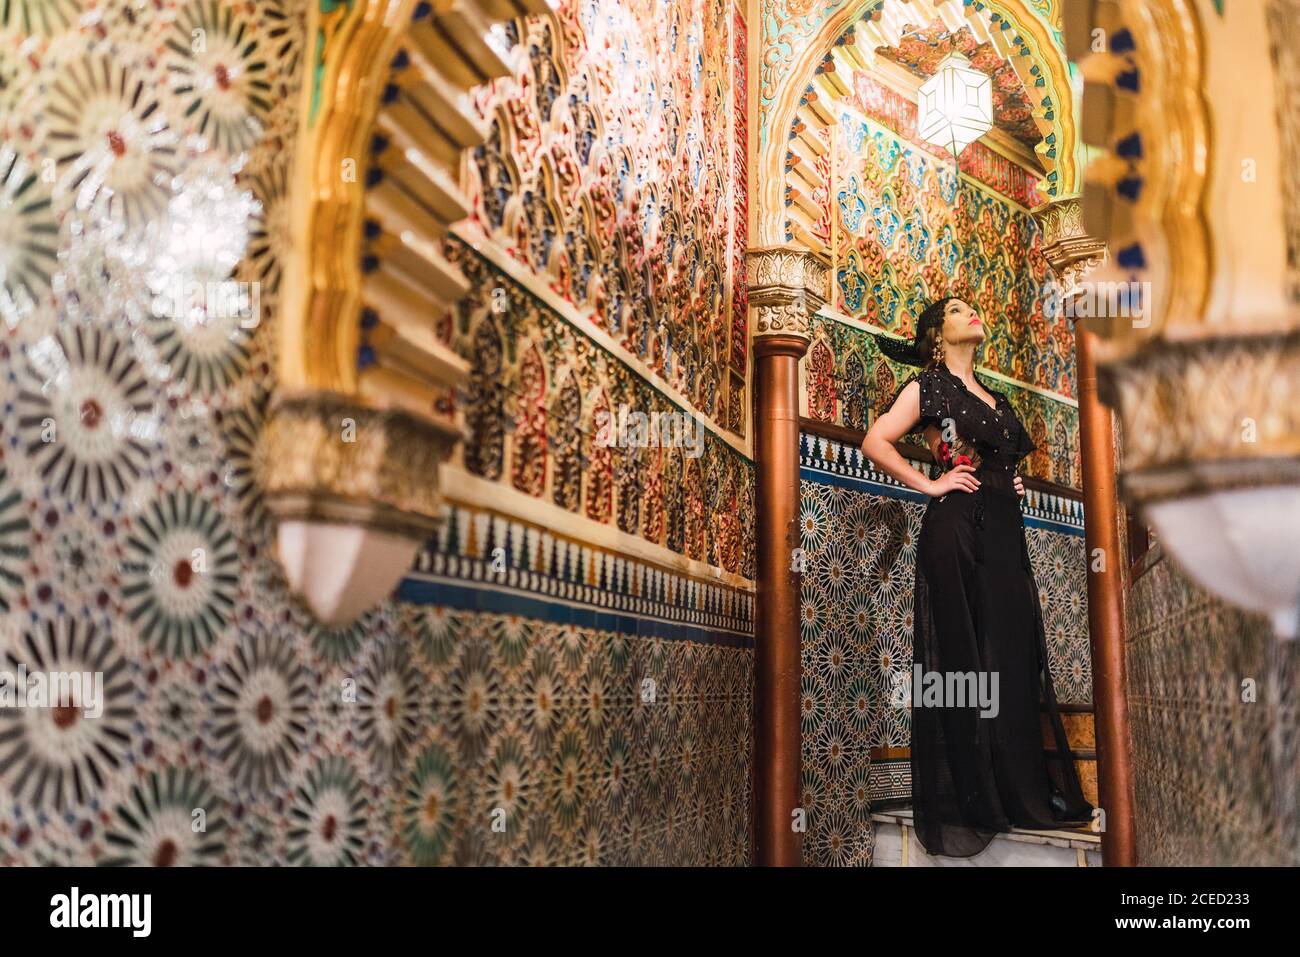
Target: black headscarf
x: 920, y: 351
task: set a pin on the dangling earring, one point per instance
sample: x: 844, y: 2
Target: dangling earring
x: 938, y: 350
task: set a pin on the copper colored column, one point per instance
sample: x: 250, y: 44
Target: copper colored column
x: 1105, y: 612
x: 776, y: 639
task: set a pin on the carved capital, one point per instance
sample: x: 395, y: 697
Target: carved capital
x: 327, y: 459
x: 1068, y: 248
x: 786, y: 286
x: 1208, y: 415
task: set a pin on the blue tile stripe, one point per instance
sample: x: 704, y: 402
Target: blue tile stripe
x: 487, y: 551
x: 433, y: 590
x: 822, y: 477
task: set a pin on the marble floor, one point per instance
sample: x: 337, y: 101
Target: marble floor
x: 897, y: 846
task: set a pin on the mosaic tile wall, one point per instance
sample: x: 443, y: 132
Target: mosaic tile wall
x: 1215, y: 778
x: 603, y: 704
x: 859, y: 530
x: 592, y: 710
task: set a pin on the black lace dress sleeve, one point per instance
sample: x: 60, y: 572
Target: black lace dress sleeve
x: 935, y: 405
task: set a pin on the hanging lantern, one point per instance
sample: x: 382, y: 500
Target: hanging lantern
x: 955, y: 105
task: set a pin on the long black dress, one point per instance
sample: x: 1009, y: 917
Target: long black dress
x: 977, y: 610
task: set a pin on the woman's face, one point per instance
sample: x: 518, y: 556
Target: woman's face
x: 961, y: 323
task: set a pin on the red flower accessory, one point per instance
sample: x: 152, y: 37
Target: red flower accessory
x: 957, y: 453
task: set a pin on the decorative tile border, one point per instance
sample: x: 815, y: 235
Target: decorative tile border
x: 484, y: 561
x: 1053, y: 512
x: 889, y: 781
x: 833, y: 462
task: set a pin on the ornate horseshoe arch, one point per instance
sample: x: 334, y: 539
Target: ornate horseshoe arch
x: 1203, y: 222
x: 1015, y: 29
x: 364, y: 414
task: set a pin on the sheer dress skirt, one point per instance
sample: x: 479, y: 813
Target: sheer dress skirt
x: 977, y: 610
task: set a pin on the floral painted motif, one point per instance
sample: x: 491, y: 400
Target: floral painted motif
x: 260, y: 711
x: 821, y: 382
x: 15, y: 529
x: 156, y: 825
x: 181, y: 575
x: 330, y: 817
x: 115, y: 146
x: 388, y: 696
x: 30, y: 253
x: 225, y: 85
x: 85, y: 386
x: 530, y: 426
x: 429, y: 810
x: 61, y: 756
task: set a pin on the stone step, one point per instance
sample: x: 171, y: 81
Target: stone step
x: 897, y: 846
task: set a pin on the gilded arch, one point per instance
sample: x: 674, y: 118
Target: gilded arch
x: 1044, y: 67
x: 383, y: 134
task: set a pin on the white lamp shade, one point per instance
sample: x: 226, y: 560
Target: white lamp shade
x: 955, y: 106
x: 1239, y: 545
x: 342, y: 571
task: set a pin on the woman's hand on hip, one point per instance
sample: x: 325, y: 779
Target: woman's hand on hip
x: 1020, y: 487
x: 960, y: 479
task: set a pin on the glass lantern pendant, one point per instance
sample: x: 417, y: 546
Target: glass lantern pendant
x: 955, y: 105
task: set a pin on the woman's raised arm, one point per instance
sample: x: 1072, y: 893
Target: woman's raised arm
x: 892, y: 426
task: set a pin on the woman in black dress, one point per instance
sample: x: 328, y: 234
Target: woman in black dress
x: 976, y: 770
